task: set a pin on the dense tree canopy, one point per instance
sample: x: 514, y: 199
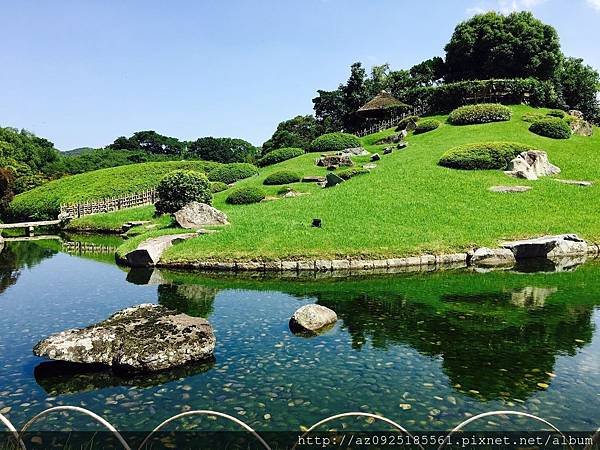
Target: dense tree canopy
x: 223, y: 150
x: 151, y: 142
x: 492, y: 45
x: 294, y: 133
x: 579, y: 84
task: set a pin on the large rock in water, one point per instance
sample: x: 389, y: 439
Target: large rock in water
x: 196, y: 215
x: 488, y: 257
x: 531, y: 165
x: 312, y: 318
x: 148, y: 253
x: 548, y: 247
x: 143, y: 338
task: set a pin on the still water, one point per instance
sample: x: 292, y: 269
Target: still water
x: 425, y: 350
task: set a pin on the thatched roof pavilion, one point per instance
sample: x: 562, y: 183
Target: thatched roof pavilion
x: 381, y: 105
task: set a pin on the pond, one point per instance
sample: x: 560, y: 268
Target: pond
x: 425, y: 350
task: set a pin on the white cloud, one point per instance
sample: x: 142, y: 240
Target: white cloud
x: 594, y: 4
x: 508, y: 6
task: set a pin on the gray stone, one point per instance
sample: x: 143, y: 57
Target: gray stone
x: 375, y: 157
x: 576, y: 113
x: 148, y: 253
x: 370, y: 166
x: 531, y: 165
x: 491, y: 257
x: 323, y: 265
x: 195, y: 215
x: 509, y: 189
x: 547, y: 246
x: 313, y: 179
x: 391, y: 139
x: 312, y: 318
x: 142, y: 338
x: 333, y: 179
x: 355, y: 151
x: 402, y: 145
x: 576, y: 182
x: 334, y: 160
x: 387, y: 150
x: 340, y: 264
x: 582, y: 127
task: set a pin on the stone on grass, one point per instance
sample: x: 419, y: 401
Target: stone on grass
x: 510, y: 189
x: 313, y: 179
x: 148, y: 253
x: 491, y: 257
x: 387, y: 150
x: 375, y: 157
x: 334, y: 160
x: 576, y: 182
x: 355, y: 151
x: 581, y: 127
x: 196, y: 215
x: 333, y: 179
x: 531, y: 165
x: 391, y: 139
x: 548, y: 246
x: 312, y: 318
x: 369, y: 166
x: 143, y: 338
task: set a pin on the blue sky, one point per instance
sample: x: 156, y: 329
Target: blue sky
x: 84, y: 72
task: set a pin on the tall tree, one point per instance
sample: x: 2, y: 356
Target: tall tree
x: 296, y: 132
x: 579, y: 85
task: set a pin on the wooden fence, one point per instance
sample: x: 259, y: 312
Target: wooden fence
x: 392, y: 122
x: 104, y: 205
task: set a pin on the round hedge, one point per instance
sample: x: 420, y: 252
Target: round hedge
x: 279, y: 155
x: 180, y: 187
x: 483, y: 155
x: 246, y: 195
x: 333, y: 142
x: 551, y: 127
x: 423, y: 126
x: 217, y: 186
x: 282, y: 177
x: 481, y: 113
x: 230, y: 173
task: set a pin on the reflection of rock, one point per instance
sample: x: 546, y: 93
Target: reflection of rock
x: 145, y: 275
x: 312, y: 318
x: 531, y: 296
x: 196, y: 215
x: 548, y: 246
x: 193, y: 299
x: 142, y: 338
x: 59, y: 377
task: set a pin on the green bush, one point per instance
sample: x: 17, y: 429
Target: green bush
x: 217, y: 186
x: 180, y: 187
x: 349, y: 173
x: 423, y: 126
x: 404, y: 122
x: 230, y: 173
x: 282, y: 177
x: 481, y: 113
x: 532, y: 117
x: 279, y: 155
x: 246, y: 195
x: 551, y: 127
x: 334, y: 142
x: 482, y: 156
x: 557, y: 113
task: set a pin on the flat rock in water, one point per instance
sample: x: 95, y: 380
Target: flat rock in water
x: 312, y: 318
x: 510, y: 189
x: 143, y: 338
x: 548, y: 246
x: 148, y: 253
x: 492, y: 257
x: 196, y: 215
x: 576, y: 182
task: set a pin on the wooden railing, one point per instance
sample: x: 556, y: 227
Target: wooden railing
x: 104, y: 205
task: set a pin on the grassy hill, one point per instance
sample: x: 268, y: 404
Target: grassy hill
x: 44, y: 201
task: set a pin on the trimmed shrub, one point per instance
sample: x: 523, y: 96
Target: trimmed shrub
x: 551, y: 127
x: 230, y: 173
x: 279, y: 155
x: 532, y: 117
x: 423, y: 126
x: 483, y: 156
x: 404, y: 122
x: 282, y: 177
x: 333, y: 142
x: 481, y: 113
x: 180, y: 187
x: 349, y: 173
x: 217, y: 186
x: 246, y: 195
x: 557, y: 113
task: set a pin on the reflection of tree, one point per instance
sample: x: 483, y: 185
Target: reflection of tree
x: 192, y: 299
x: 17, y: 255
x: 485, y: 346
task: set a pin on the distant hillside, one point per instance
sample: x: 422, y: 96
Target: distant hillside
x: 77, y: 151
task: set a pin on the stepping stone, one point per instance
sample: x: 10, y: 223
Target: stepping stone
x: 576, y: 182
x: 369, y: 166
x: 148, y: 253
x: 313, y: 179
x: 510, y: 189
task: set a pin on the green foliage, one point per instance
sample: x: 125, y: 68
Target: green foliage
x: 281, y: 177
x: 483, y: 155
x: 404, y: 122
x: 334, y: 142
x: 180, y: 187
x: 150, y: 142
x: 230, y: 173
x: 481, y: 113
x: 551, y: 127
x: 294, y: 133
x: 423, y: 126
x: 579, y: 84
x: 532, y: 117
x: 352, y: 172
x: 224, y: 150
x: 246, y: 195
x: 492, y: 45
x: 557, y: 113
x: 218, y: 186
x: 44, y: 201
x: 7, y: 180
x: 279, y: 155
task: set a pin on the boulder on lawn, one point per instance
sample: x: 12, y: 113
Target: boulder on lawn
x: 548, y: 247
x: 492, y: 257
x: 195, y: 215
x: 313, y: 179
x: 334, y: 160
x: 143, y: 338
x: 333, y: 179
x: 148, y: 253
x: 387, y: 150
x: 392, y: 139
x: 312, y: 319
x: 354, y: 151
x: 581, y: 127
x: 531, y: 165
x: 375, y: 157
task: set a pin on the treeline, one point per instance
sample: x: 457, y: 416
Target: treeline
x: 517, y: 48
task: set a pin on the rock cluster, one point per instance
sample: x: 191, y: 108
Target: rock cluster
x: 334, y: 160
x: 531, y: 165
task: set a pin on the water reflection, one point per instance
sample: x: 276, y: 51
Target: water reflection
x: 18, y: 255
